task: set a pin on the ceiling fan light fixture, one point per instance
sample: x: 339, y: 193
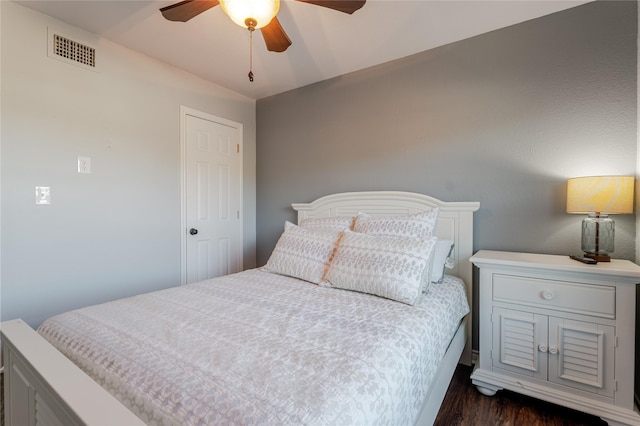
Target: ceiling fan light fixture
x: 246, y: 12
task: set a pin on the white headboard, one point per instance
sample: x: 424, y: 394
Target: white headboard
x: 455, y: 222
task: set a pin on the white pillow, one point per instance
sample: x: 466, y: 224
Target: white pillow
x: 390, y: 267
x: 441, y: 255
x: 333, y: 223
x: 417, y: 225
x: 303, y: 253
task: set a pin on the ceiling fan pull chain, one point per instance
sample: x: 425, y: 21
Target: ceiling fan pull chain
x: 251, y: 26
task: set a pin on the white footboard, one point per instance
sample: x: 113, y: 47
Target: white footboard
x: 43, y: 387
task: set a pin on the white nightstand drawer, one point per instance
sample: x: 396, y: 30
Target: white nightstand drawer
x: 562, y: 295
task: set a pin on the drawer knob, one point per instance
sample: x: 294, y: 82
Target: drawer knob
x: 553, y: 350
x: 547, y: 295
x: 542, y: 348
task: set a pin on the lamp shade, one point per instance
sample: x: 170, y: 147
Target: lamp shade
x: 600, y: 194
x: 260, y: 11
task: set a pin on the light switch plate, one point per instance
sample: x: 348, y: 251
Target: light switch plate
x: 43, y: 195
x: 84, y: 164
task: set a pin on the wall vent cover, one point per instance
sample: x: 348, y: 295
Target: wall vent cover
x: 71, y: 51
x: 74, y: 51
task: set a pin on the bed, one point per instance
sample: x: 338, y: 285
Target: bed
x: 261, y: 346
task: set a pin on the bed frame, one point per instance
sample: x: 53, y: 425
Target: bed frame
x: 42, y: 386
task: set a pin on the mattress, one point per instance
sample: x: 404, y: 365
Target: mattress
x: 261, y: 348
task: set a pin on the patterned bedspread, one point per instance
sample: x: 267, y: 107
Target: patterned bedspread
x: 260, y: 348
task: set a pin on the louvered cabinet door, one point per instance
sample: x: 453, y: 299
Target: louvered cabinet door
x: 518, y: 338
x: 571, y: 353
x: 581, y: 355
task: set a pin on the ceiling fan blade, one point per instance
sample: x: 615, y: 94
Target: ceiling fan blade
x: 275, y: 37
x: 187, y: 9
x: 346, y: 6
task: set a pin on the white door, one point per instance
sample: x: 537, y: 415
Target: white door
x: 213, y: 197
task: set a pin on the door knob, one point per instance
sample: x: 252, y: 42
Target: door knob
x: 193, y: 231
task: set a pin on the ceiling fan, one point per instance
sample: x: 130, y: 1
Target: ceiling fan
x: 254, y: 14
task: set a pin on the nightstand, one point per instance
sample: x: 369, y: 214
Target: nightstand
x: 559, y: 330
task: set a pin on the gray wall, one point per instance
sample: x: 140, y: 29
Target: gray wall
x: 114, y: 232
x: 503, y: 118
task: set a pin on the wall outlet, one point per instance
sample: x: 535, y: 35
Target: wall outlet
x: 84, y: 164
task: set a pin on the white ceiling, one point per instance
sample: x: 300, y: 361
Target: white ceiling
x: 326, y: 43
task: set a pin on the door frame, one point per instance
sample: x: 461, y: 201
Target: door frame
x: 184, y: 112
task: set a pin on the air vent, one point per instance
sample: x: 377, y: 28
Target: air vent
x: 74, y: 51
x: 71, y: 51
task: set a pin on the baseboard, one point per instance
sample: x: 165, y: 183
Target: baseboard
x: 474, y: 357
x: 1, y: 395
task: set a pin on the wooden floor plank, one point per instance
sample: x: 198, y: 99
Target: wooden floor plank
x: 465, y: 406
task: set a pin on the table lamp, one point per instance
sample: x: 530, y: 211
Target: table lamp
x: 599, y: 196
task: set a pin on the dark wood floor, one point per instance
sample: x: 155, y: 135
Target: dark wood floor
x: 465, y: 406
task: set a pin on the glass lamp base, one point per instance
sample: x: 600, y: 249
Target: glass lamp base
x: 597, y: 237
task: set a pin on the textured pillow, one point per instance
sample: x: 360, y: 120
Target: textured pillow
x: 390, y: 267
x: 441, y: 255
x: 303, y: 253
x: 334, y: 223
x: 415, y: 225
